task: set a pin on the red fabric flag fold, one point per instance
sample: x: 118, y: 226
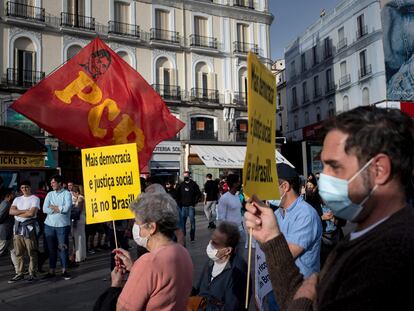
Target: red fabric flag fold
x: 97, y: 99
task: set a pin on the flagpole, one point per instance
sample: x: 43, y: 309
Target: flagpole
x: 249, y: 261
x: 116, y: 240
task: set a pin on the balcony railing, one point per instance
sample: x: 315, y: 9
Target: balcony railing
x: 242, y: 47
x: 342, y: 44
x: 241, y: 136
x: 77, y: 21
x: 305, y: 100
x: 330, y: 88
x: 240, y: 98
x: 365, y: 71
x: 25, y: 11
x: 168, y: 92
x: 207, y: 95
x: 345, y: 80
x: 249, y: 4
x: 362, y: 31
x: 327, y: 53
x: 203, y: 41
x: 203, y: 135
x: 164, y: 35
x: 123, y: 29
x: 23, y: 78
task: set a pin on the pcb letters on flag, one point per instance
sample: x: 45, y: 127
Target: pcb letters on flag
x: 97, y: 99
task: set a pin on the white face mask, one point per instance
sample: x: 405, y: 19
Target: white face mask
x: 212, y: 252
x: 137, y: 238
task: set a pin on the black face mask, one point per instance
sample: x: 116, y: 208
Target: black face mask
x: 186, y: 178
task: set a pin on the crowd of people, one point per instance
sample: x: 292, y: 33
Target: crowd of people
x: 366, y: 180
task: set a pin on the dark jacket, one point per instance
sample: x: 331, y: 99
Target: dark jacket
x: 227, y: 291
x: 211, y: 189
x: 6, y: 221
x: 188, y: 194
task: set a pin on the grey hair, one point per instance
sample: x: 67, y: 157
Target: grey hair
x: 159, y: 208
x: 155, y: 188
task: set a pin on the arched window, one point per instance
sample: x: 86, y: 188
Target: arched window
x: 318, y: 114
x: 124, y: 55
x: 24, y: 72
x: 165, y: 76
x: 306, y: 118
x: 202, y: 128
x: 295, y: 122
x: 365, y: 97
x: 72, y: 51
x: 345, y: 103
x: 205, y: 82
x: 331, y: 110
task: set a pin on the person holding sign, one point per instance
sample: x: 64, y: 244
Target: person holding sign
x: 300, y: 224
x: 162, y: 278
x: 368, y: 163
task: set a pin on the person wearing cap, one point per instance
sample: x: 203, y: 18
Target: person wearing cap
x: 300, y: 224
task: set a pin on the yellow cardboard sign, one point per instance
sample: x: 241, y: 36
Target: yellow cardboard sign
x: 111, y: 182
x: 259, y: 172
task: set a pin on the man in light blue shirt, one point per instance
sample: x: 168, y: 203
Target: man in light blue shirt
x: 300, y: 224
x: 57, y: 206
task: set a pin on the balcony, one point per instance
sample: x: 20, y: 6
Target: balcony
x: 203, y: 41
x: 23, y: 78
x: 330, y: 88
x: 240, y: 47
x: 248, y: 4
x: 203, y: 135
x: 206, y: 95
x: 327, y: 53
x: 342, y: 44
x: 241, y: 136
x: 77, y: 21
x: 345, y: 80
x: 305, y: 100
x: 362, y: 31
x: 123, y: 29
x: 162, y: 35
x: 14, y: 9
x: 365, y: 72
x: 168, y: 92
x: 240, y: 98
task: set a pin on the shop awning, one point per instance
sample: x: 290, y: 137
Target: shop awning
x: 227, y: 156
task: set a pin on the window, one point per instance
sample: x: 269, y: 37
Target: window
x: 315, y: 55
x: 341, y: 38
x: 295, y: 122
x: 305, y: 92
x: 365, y: 97
x: 23, y: 72
x: 76, y: 7
x: 318, y: 114
x: 345, y: 103
x: 365, y: 69
x: 72, y: 51
x: 125, y: 57
x: 362, y: 28
x: 327, y: 48
x: 294, y: 98
x: 292, y: 70
x: 306, y: 118
x: 200, y: 26
x: 202, y: 128
x: 316, y: 89
x: 331, y: 110
x: 329, y: 83
x: 165, y: 83
x: 162, y: 19
x: 121, y: 12
x: 205, y: 82
x: 242, y: 33
x: 303, y: 62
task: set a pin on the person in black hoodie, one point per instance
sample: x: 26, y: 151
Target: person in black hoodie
x: 188, y: 194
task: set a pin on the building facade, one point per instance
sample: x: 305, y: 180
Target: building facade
x: 193, y: 53
x: 336, y: 65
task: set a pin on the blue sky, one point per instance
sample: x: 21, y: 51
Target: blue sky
x: 292, y: 17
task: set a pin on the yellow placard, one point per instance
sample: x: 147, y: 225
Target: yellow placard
x: 111, y: 182
x: 259, y: 172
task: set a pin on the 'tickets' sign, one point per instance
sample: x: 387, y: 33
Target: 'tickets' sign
x: 259, y: 172
x: 111, y: 181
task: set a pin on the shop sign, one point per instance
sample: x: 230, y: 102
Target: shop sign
x: 20, y: 160
x: 168, y: 147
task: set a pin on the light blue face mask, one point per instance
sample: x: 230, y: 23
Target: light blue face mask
x: 334, y: 192
x: 276, y: 203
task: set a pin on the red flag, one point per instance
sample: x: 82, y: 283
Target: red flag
x: 97, y: 99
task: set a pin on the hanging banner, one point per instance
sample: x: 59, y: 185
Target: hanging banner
x: 111, y: 182
x: 259, y: 172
